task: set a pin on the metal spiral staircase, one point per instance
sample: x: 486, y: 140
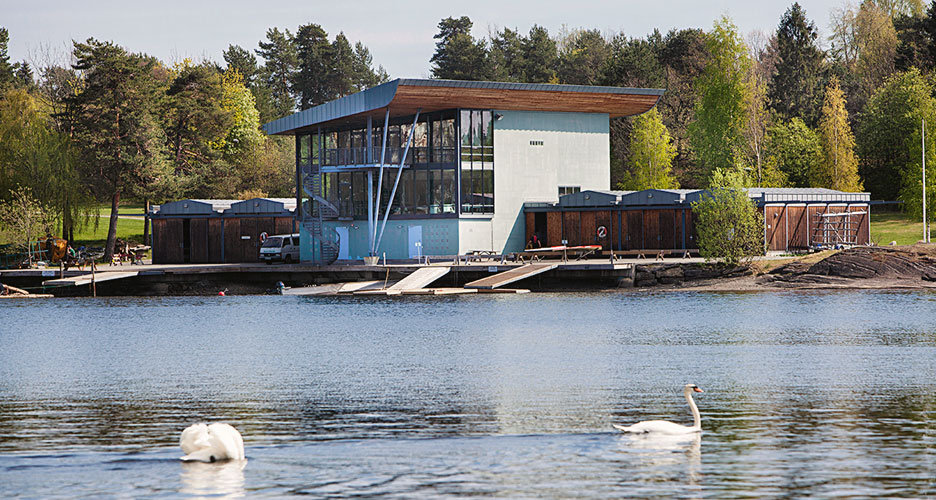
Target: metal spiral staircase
x: 314, y: 222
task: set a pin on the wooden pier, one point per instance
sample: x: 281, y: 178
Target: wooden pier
x: 511, y: 275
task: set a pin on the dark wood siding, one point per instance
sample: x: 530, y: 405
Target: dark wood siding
x: 215, y: 244
x: 570, y: 228
x: 530, y: 226
x: 172, y: 241
x: 250, y: 246
x: 553, y: 229
x: 667, y: 229
x: 588, y: 229
x: 603, y: 218
x: 775, y: 222
x: 198, y: 234
x: 864, y: 225
x: 651, y: 229
x: 284, y: 225
x: 796, y: 227
x: 634, y: 231
x: 692, y: 237
x: 231, y: 240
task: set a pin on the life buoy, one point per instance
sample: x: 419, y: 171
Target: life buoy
x: 263, y: 237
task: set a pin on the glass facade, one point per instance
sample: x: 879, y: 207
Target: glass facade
x: 477, y: 161
x: 432, y: 168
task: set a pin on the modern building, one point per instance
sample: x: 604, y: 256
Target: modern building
x: 215, y: 231
x: 662, y: 219
x: 440, y: 167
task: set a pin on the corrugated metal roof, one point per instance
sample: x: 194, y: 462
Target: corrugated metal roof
x: 381, y: 96
x: 646, y: 197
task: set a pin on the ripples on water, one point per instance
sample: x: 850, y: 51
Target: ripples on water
x: 807, y: 394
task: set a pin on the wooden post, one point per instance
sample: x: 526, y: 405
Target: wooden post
x: 93, y: 284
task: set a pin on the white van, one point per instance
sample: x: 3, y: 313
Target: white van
x: 280, y: 247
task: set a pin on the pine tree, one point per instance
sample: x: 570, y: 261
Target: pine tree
x: 651, y: 155
x: 458, y: 56
x: 795, y: 86
x: 839, y: 167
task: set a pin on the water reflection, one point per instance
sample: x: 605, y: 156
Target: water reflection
x: 473, y: 396
x: 652, y: 452
x: 215, y: 480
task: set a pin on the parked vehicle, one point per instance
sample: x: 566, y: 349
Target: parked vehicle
x: 280, y: 248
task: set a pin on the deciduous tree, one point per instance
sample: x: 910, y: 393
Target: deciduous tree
x: 729, y: 226
x: 839, y: 166
x: 796, y: 150
x: 717, y: 134
x: 885, y: 133
x: 649, y: 164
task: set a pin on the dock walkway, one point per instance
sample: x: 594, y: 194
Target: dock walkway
x: 511, y: 275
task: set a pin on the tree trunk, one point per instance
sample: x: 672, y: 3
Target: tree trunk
x: 112, y: 228
x: 146, y: 222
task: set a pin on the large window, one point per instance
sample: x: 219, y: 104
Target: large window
x: 477, y: 161
x: 427, y: 186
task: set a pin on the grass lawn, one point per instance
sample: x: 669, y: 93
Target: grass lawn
x: 127, y: 229
x: 897, y: 226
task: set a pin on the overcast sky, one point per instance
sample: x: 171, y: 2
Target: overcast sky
x: 398, y: 33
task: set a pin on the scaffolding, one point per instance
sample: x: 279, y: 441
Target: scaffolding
x: 833, y: 229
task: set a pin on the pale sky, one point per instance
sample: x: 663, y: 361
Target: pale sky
x: 398, y: 33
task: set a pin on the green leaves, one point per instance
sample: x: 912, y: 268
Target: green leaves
x: 729, y: 226
x: 717, y: 133
x: 651, y: 155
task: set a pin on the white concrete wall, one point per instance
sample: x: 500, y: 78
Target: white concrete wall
x: 575, y: 151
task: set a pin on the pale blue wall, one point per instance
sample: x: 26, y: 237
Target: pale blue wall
x: 439, y: 237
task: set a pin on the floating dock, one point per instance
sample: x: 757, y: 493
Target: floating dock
x: 86, y: 279
x: 511, y: 275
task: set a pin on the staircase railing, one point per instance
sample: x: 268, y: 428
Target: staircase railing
x: 329, y: 241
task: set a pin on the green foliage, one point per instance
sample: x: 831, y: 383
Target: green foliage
x: 24, y: 219
x: 717, y: 133
x: 122, y: 144
x: 651, y: 155
x: 795, y: 88
x: 633, y: 62
x: 839, y: 166
x: 280, y: 63
x: 796, y: 149
x: 729, y: 226
x: 7, y: 73
x: 35, y: 156
x: 582, y: 54
x: 889, y: 130
x: 458, y: 56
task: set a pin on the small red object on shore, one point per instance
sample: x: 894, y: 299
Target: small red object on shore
x: 221, y: 293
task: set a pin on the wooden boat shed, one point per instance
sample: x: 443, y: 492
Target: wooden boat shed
x: 216, y: 231
x: 662, y: 219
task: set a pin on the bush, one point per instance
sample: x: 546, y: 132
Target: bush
x: 728, y: 224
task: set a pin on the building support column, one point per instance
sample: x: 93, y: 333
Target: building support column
x: 369, y: 159
x: 372, y: 236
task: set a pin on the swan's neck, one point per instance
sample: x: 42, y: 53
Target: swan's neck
x: 696, y: 419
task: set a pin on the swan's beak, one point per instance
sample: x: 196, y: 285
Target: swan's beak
x: 696, y: 389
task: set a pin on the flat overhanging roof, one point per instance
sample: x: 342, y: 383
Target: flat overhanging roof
x: 405, y: 96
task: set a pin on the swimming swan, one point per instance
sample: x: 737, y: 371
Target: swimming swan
x: 210, y: 443
x: 664, y: 427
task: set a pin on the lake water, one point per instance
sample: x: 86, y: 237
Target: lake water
x: 806, y: 394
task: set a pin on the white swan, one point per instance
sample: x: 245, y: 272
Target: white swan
x: 210, y: 443
x: 664, y: 427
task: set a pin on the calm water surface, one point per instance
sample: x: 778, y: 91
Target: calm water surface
x: 807, y: 394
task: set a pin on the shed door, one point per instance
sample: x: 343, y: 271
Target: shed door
x: 414, y: 243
